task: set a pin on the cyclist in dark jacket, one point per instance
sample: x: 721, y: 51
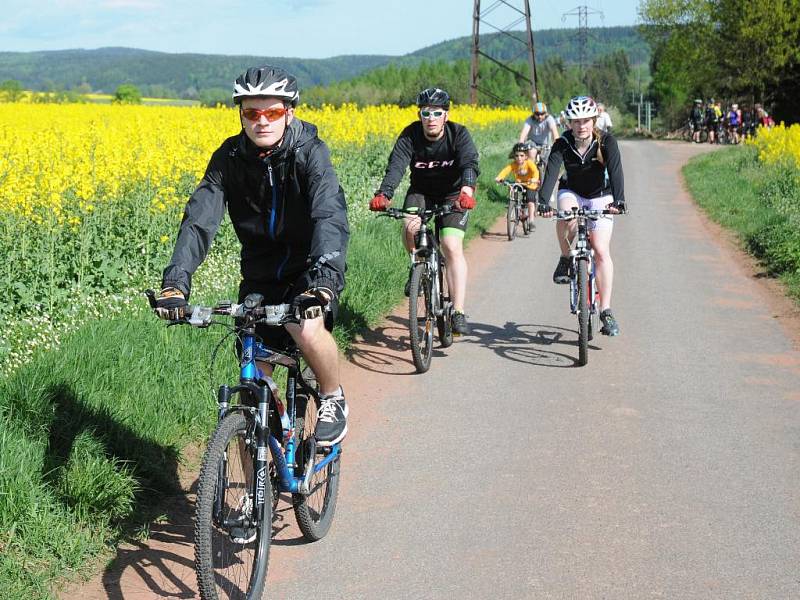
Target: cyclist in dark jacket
x: 276, y: 180
x: 444, y: 170
x: 594, y: 180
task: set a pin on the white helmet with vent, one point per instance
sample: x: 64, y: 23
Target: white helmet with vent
x: 581, y: 107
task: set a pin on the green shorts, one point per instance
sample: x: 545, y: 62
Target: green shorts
x: 454, y: 224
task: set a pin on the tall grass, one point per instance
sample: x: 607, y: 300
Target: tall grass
x: 760, y: 202
x: 91, y: 429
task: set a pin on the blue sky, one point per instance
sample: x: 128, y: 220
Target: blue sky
x: 295, y: 28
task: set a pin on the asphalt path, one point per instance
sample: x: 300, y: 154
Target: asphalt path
x: 665, y: 468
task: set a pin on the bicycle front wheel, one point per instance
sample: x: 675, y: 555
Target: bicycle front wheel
x: 314, y: 512
x: 511, y: 220
x: 420, y: 317
x: 231, y: 548
x: 444, y: 323
x: 583, y: 313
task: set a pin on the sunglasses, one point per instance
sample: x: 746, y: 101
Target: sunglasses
x: 271, y: 114
x: 431, y: 114
x: 539, y: 114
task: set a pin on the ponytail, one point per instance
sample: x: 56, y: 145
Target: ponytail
x: 598, y: 135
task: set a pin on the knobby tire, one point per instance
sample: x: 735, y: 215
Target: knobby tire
x: 512, y: 218
x: 314, y: 512
x: 583, y: 313
x: 420, y: 321
x: 224, y: 568
x: 444, y: 324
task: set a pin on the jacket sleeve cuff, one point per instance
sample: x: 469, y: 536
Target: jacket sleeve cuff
x: 469, y: 177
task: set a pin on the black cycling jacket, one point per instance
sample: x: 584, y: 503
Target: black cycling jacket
x: 287, y: 208
x: 586, y: 176
x: 439, y: 168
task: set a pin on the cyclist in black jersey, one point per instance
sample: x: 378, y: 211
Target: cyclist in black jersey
x: 444, y: 169
x: 696, y: 120
x: 593, y: 168
x: 276, y: 180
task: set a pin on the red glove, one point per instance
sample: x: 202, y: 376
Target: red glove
x: 465, y: 201
x: 379, y: 202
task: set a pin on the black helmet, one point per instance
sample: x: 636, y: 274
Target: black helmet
x: 266, y: 81
x: 519, y: 147
x: 434, y: 97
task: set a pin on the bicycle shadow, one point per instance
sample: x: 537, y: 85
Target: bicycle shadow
x: 526, y: 343
x: 387, y: 349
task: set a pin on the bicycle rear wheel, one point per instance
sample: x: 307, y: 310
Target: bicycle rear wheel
x: 314, y: 512
x: 444, y: 324
x: 420, y: 318
x: 225, y: 509
x: 512, y: 217
x: 583, y: 313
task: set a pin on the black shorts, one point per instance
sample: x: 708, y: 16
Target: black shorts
x: 455, y: 222
x: 280, y: 293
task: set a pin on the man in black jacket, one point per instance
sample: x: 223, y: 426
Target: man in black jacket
x: 284, y: 200
x: 444, y: 170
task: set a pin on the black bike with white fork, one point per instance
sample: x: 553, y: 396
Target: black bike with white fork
x: 429, y: 302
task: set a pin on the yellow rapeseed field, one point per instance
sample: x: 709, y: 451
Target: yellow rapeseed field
x: 59, y: 160
x: 778, y: 145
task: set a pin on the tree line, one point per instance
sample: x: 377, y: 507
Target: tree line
x: 736, y: 50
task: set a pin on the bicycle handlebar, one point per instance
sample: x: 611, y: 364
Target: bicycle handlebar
x: 593, y: 214
x: 272, y: 315
x: 427, y: 214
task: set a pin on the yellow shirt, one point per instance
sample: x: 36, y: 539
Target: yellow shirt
x: 526, y: 173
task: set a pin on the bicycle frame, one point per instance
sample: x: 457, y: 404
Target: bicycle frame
x: 262, y: 387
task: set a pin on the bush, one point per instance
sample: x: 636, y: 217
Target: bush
x: 127, y: 93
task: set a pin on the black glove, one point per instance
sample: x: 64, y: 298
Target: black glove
x: 310, y: 303
x: 543, y: 208
x: 171, y: 304
x: 620, y: 206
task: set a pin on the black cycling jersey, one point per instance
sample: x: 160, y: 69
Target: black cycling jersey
x: 287, y: 208
x: 696, y: 116
x: 586, y: 175
x: 712, y: 118
x: 438, y: 168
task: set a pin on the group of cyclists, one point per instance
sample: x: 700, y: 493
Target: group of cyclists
x: 276, y: 180
x: 731, y: 125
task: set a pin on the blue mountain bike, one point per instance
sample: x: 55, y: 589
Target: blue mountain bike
x: 262, y: 446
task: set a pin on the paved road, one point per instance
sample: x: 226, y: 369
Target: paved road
x: 666, y: 468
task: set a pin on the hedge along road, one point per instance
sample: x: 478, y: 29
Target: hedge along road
x: 665, y: 468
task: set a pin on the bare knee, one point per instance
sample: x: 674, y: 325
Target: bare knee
x: 307, y: 333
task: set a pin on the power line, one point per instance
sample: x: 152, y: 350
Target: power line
x: 582, y: 12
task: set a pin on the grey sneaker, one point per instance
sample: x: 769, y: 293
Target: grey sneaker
x: 331, y: 419
x: 610, y: 325
x: 562, y: 272
x: 460, y: 325
x: 243, y: 535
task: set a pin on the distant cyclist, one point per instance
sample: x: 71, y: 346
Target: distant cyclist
x: 444, y: 170
x: 604, y: 123
x: 593, y: 167
x: 526, y: 173
x: 713, y: 118
x: 733, y: 121
x: 539, y: 130
x: 696, y: 120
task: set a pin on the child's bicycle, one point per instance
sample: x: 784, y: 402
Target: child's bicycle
x: 262, y: 446
x: 517, y: 212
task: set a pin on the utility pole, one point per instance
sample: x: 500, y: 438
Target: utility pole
x: 478, y: 17
x: 582, y: 12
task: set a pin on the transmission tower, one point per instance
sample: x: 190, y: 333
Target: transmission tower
x: 582, y: 13
x: 478, y: 17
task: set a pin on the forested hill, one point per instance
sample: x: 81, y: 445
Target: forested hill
x: 184, y: 75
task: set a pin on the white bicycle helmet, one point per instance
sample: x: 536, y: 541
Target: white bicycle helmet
x: 581, y: 107
x: 266, y: 81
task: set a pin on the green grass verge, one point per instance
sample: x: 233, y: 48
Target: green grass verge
x: 91, y: 431
x: 760, y: 203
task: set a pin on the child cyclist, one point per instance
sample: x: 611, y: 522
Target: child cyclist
x: 526, y: 173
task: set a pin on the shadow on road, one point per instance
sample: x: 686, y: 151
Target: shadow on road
x: 528, y: 343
